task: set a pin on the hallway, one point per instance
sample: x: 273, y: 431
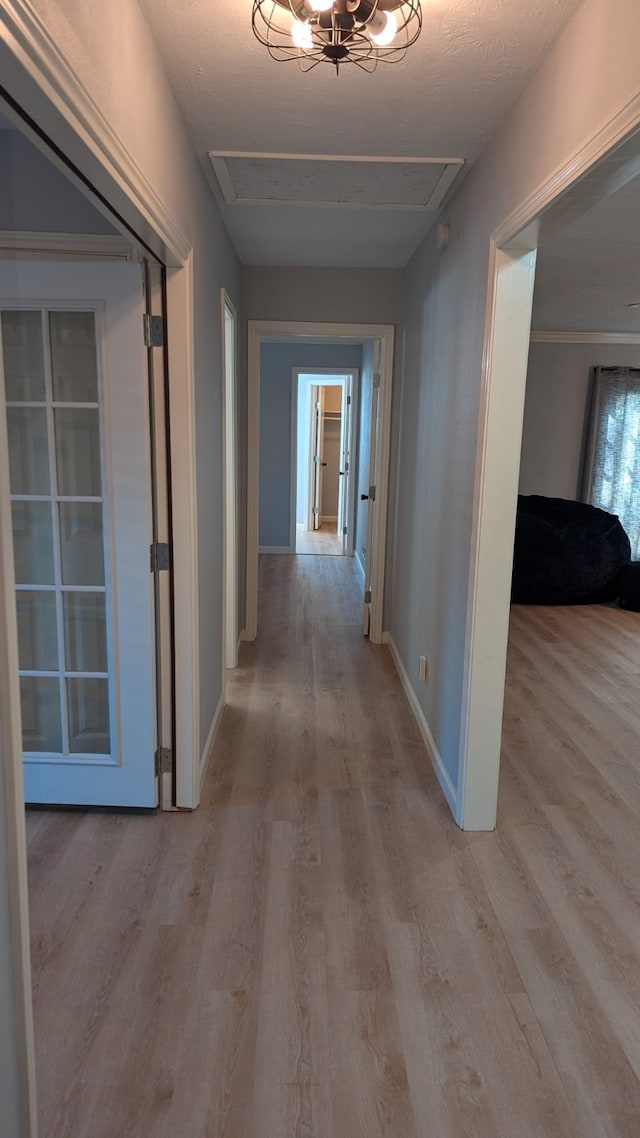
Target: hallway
x: 318, y: 951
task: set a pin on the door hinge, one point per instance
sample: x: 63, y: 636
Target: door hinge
x: 316, y: 458
x: 372, y: 493
x: 344, y: 531
x: 367, y: 597
x: 315, y: 511
x: 153, y: 331
x: 159, y: 559
x: 164, y: 760
x: 348, y: 400
x: 376, y: 379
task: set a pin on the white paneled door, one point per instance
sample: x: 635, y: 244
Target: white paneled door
x: 74, y: 384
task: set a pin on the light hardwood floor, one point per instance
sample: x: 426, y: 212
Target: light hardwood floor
x: 324, y: 540
x: 318, y: 952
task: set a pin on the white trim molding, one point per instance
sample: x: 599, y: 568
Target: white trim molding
x: 585, y: 337
x: 74, y: 246
x: 441, y: 772
x: 612, y: 134
x: 207, y: 751
x: 433, y: 201
x: 184, y: 496
x: 27, y: 41
x: 260, y: 331
x: 229, y: 363
x: 360, y: 567
x: 17, y: 1080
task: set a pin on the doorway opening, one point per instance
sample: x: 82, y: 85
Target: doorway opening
x: 272, y: 437
x: 323, y: 458
x: 509, y: 342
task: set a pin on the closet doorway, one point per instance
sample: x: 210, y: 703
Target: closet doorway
x: 322, y: 461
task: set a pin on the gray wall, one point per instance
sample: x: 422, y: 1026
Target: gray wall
x: 558, y: 382
x: 276, y: 363
x: 35, y: 197
x: 351, y: 296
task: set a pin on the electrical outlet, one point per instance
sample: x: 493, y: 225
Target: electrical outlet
x: 423, y: 670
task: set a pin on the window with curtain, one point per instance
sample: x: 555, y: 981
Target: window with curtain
x: 612, y: 467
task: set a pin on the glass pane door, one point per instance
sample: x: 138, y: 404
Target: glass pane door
x: 56, y: 457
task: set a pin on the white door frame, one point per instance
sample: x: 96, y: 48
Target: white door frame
x: 508, y: 325
x: 229, y: 482
x: 504, y: 371
x: 349, y: 384
x: 36, y: 73
x: 260, y: 331
x: 16, y: 1021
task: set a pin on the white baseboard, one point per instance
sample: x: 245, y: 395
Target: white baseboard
x: 360, y: 564
x: 275, y: 549
x: 205, y: 757
x: 329, y: 518
x: 442, y: 775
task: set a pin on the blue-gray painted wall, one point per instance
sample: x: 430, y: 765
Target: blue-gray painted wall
x: 276, y: 364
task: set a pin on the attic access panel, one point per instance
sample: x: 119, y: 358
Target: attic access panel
x: 318, y: 179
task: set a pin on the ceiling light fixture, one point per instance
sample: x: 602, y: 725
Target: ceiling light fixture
x: 364, y: 32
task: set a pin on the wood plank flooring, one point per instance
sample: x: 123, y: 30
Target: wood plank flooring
x: 321, y: 541
x: 318, y: 951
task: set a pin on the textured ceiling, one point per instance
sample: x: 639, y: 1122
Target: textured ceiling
x: 445, y: 99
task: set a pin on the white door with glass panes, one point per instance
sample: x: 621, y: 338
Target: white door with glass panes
x: 73, y: 382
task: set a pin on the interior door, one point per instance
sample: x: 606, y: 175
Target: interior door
x: 344, y: 490
x: 369, y: 574
x: 317, y: 412
x: 73, y: 385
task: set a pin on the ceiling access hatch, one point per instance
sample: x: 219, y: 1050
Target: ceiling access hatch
x: 319, y: 179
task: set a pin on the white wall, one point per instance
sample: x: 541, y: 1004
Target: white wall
x: 111, y: 50
x: 590, y: 76
x: 558, y: 384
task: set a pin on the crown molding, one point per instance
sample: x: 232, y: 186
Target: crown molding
x: 29, y: 41
x: 614, y: 132
x: 585, y: 337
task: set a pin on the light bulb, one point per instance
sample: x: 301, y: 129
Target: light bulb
x: 319, y: 5
x: 301, y: 35
x: 382, y: 28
